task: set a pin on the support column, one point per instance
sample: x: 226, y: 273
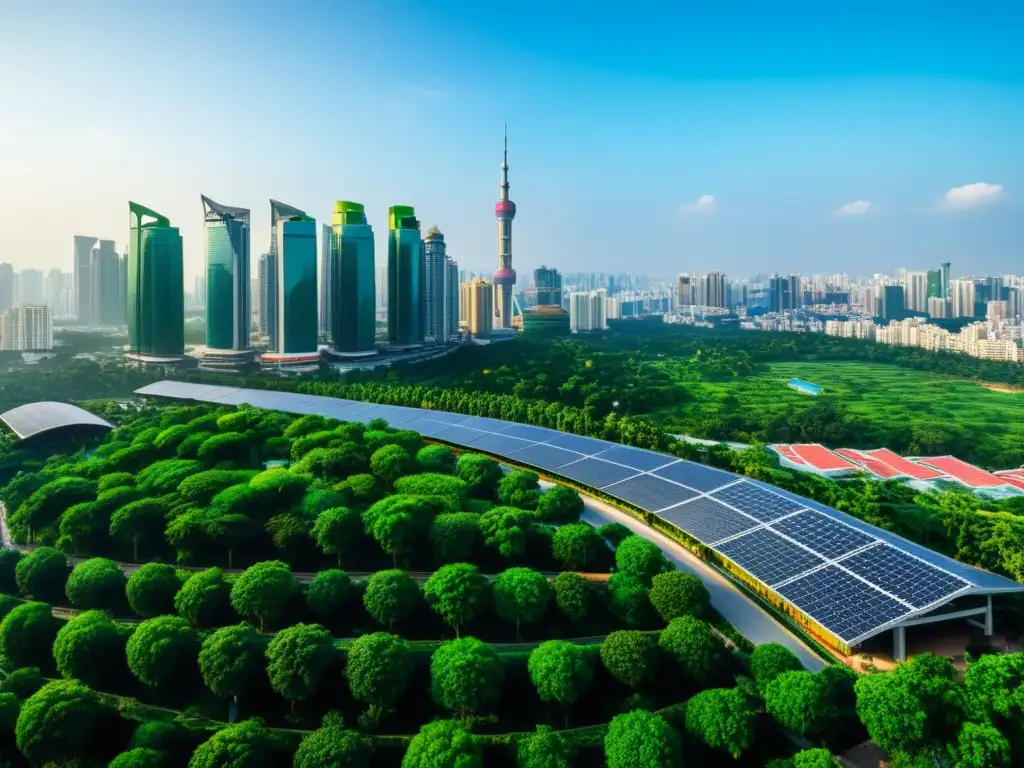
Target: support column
x: 988, y: 616
x: 899, y: 644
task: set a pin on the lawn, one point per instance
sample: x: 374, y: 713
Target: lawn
x: 878, y: 404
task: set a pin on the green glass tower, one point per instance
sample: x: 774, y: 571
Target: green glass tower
x: 405, y: 277
x: 353, y: 294
x: 156, y: 299
x: 228, y: 314
x: 297, y: 309
x: 935, y: 283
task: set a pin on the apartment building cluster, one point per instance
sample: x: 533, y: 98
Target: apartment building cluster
x: 995, y: 339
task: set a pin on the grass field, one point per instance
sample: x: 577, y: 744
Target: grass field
x: 882, y: 405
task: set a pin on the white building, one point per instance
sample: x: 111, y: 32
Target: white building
x: 27, y: 328
x: 587, y: 311
x: 961, y: 296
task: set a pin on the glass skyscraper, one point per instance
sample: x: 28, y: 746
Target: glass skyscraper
x: 156, y: 298
x: 405, y: 277
x: 228, y: 314
x: 297, y: 311
x: 352, y: 290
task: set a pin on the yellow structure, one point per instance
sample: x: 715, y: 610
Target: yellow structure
x: 476, y: 306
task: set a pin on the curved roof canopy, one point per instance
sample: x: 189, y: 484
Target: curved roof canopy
x: 33, y: 419
x: 283, y: 212
x: 215, y: 211
x: 847, y: 576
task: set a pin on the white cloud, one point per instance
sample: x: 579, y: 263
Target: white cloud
x: 856, y: 208
x: 702, y: 204
x: 971, y: 195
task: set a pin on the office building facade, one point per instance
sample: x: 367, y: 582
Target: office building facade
x: 156, y: 298
x: 105, y: 285
x: 686, y: 291
x: 296, y: 307
x: 83, y: 278
x: 326, y: 279
x: 547, y: 285
x: 435, y: 284
x: 405, y: 277
x: 352, y: 289
x: 452, y: 296
x: 714, y: 290
x: 225, y: 286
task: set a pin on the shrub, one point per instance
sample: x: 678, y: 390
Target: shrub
x: 676, y: 594
x: 97, y: 583
x: 151, y: 590
x: 42, y: 574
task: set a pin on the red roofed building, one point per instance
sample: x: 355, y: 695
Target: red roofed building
x: 904, y: 466
x: 874, y: 466
x: 968, y: 474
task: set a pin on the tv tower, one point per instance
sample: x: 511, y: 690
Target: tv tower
x: 505, y: 277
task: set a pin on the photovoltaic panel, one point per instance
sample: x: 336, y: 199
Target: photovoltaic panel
x: 502, y: 445
x: 707, y: 520
x: 232, y: 397
x: 427, y: 427
x: 580, y: 444
x: 826, y: 536
x: 35, y: 418
x: 904, y: 576
x: 649, y: 492
x: 527, y: 432
x: 845, y: 606
x: 460, y: 435
x: 445, y: 416
x: 768, y: 557
x: 348, y: 412
x: 696, y: 476
x: 756, y: 502
x: 637, y: 458
x: 544, y: 456
x: 595, y: 473
x: 484, y: 424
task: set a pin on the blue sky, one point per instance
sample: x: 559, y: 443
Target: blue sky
x: 621, y: 118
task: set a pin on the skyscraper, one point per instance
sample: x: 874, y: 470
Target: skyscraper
x: 548, y: 286
x: 296, y: 306
x: 714, y: 289
x: 352, y: 291
x: 935, y: 287
x: 945, y: 278
x: 33, y: 287
x: 452, y: 295
x: 962, y: 299
x: 505, y: 276
x: 915, y: 291
x: 477, y: 300
x: 795, y: 293
x: 83, y: 278
x: 685, y: 291
x: 156, y: 299
x: 893, y: 302
x: 228, y: 238
x: 326, y: 280
x: 435, y: 280
x: 265, y: 310
x: 104, y: 283
x: 6, y: 287
x: 779, y: 296
x: 27, y: 328
x: 405, y: 277
x: 54, y: 288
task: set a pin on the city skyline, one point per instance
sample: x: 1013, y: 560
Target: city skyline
x: 780, y: 137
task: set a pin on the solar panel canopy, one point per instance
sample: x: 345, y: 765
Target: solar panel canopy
x: 33, y: 419
x: 850, y: 578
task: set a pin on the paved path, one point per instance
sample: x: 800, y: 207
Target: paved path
x: 738, y: 609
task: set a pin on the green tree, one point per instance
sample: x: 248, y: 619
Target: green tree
x: 466, y: 676
x: 330, y: 593
x: 676, y: 594
x: 61, y: 722
x: 545, y: 748
x: 398, y: 523
x: 390, y: 463
x: 138, y: 521
x: 22, y: 682
x: 162, y: 651
x: 443, y: 744
x: 436, y: 458
x: 560, y: 506
x: 521, y: 595
x: 982, y: 746
x: 451, y: 489
x: 90, y: 648
x: 297, y: 659
x: 9, y: 559
x: 151, y: 590
x: 630, y: 656
x: 391, y: 596
x: 204, y: 599
x: 115, y: 480
x: 519, y: 488
x: 457, y: 593
x: 480, y: 473
x: 379, y: 669
x: 991, y: 686
x: 629, y: 600
x: 334, y: 463
x: 230, y: 660
x: 139, y: 758
x: 226, y: 448
x: 42, y: 574
x: 577, y: 546
x: 794, y: 700
x: 641, y: 738
x: 573, y: 595
x: 694, y: 648
x: 247, y: 744
x: 262, y: 592
x: 814, y: 758
x: 722, y: 719
x: 332, y: 745
x: 561, y: 672
x: 338, y: 531
x: 27, y: 634
x: 614, y: 533
x: 97, y: 583
x: 455, y: 537
x: 642, y: 559
x: 506, y: 529
x: 305, y: 425
x: 770, y: 660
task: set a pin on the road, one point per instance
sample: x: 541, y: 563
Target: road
x: 738, y: 609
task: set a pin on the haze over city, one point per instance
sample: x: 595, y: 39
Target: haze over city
x: 659, y: 140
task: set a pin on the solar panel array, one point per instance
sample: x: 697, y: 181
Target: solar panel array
x: 35, y: 418
x: 850, y: 578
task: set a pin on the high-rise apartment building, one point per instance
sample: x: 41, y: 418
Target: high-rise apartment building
x: 105, y: 285
x: 934, y: 281
x: 893, y: 302
x: 225, y: 287
x: 961, y: 295
x: 6, y: 286
x: 547, y: 283
x: 156, y: 298
x: 326, y: 279
x: 714, y: 289
x: 83, y: 278
x: 915, y: 291
x: 352, y: 300
x: 686, y: 291
x: 587, y: 311
x: 27, y: 328
x: 405, y: 277
x: 54, y: 289
x: 435, y: 282
x: 938, y: 307
x: 945, y: 279
x: 780, y: 298
x: 452, y: 295
x: 477, y: 306
x: 296, y: 305
x: 32, y: 287
x: 1012, y: 295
